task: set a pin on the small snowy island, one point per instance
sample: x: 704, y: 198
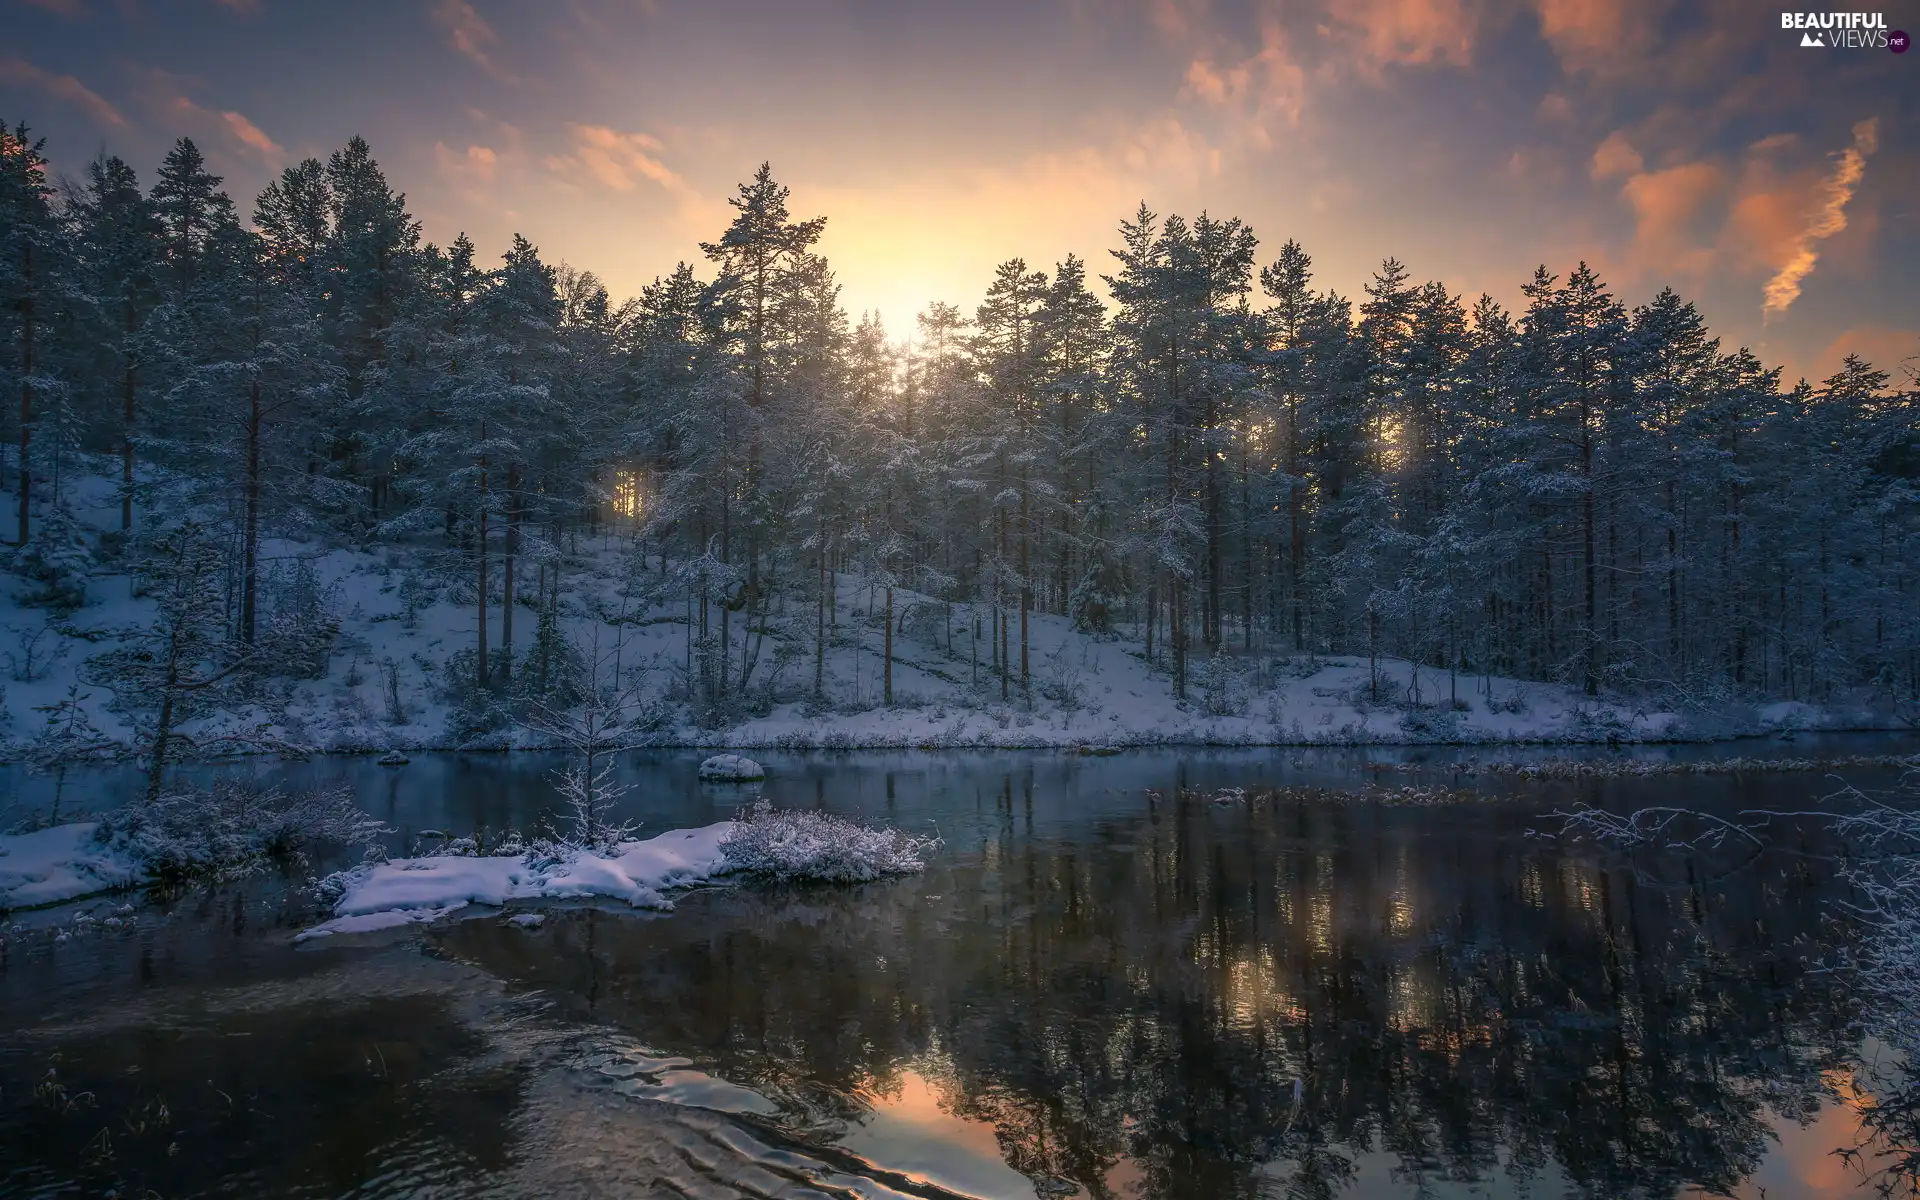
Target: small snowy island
x: 778, y: 845
x: 731, y: 768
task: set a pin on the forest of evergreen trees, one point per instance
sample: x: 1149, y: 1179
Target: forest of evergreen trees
x: 1216, y: 458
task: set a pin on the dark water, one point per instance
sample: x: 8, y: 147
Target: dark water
x: 1111, y: 981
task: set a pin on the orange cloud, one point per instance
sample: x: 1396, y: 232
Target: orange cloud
x: 1829, y: 218
x: 478, y: 161
x: 23, y: 74
x: 1668, y: 206
x: 1895, y: 351
x: 618, y: 160
x: 1592, y: 35
x: 1410, y: 31
x: 1269, y: 87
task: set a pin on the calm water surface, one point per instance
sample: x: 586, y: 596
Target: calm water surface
x: 1114, y: 980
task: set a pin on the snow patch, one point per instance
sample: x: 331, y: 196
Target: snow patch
x: 768, y: 843
x: 66, y: 862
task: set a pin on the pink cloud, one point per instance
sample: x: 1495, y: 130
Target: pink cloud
x: 470, y: 34
x: 23, y: 74
x: 618, y: 160
x: 250, y: 135
x: 167, y: 95
x: 1615, y: 156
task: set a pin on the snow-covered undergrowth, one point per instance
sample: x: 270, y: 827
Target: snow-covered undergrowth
x: 773, y: 844
x: 231, y: 830
x: 1628, y: 768
x: 731, y: 768
x: 802, y: 844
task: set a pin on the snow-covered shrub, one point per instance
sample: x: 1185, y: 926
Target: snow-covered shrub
x: 1223, y: 687
x: 1514, y: 702
x: 1061, y: 680
x: 1382, y: 691
x: 925, y: 621
x: 1433, y: 722
x: 56, y: 559
x: 792, y: 844
x: 417, y: 594
x: 32, y: 654
x: 304, y: 622
x: 1099, y: 594
x: 233, y: 829
x: 475, y: 711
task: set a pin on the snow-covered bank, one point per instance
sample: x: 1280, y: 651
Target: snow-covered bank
x: 66, y: 862
x: 783, y: 845
x: 397, y: 675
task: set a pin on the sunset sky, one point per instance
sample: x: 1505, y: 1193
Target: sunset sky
x: 1686, y: 143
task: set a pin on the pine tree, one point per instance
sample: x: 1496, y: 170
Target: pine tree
x: 33, y: 250
x: 118, y: 234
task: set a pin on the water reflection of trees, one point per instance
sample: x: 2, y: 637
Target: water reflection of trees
x: 1445, y: 991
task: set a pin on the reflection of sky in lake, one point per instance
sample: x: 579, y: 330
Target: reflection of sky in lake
x: 1093, y: 983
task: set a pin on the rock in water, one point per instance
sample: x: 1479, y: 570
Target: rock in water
x: 731, y: 768
x: 393, y: 758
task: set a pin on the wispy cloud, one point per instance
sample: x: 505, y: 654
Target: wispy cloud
x: 618, y: 160
x: 1829, y: 218
x: 476, y: 162
x: 23, y: 74
x: 250, y: 135
x: 178, y: 110
x: 470, y: 34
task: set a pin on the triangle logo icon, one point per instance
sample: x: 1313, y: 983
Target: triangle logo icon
x: 1812, y: 39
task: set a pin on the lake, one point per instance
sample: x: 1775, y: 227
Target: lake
x: 1161, y: 974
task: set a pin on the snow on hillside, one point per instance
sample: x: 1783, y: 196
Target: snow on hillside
x: 386, y: 683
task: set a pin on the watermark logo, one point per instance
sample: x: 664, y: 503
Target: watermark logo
x: 1897, y: 41
x: 1842, y: 30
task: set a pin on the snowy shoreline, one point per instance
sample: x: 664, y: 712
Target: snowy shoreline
x: 828, y: 739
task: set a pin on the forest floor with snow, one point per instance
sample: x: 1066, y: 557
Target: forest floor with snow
x: 390, y: 681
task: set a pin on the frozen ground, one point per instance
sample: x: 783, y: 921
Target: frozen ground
x: 386, y: 684
x: 63, y: 863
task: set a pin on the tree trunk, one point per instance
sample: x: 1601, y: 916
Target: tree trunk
x: 126, y: 437
x: 1026, y: 583
x: 887, y: 643
x: 506, y: 571
x: 26, y: 392
x: 820, y: 626
x: 480, y: 553
x: 250, y: 546
x: 1592, y: 654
